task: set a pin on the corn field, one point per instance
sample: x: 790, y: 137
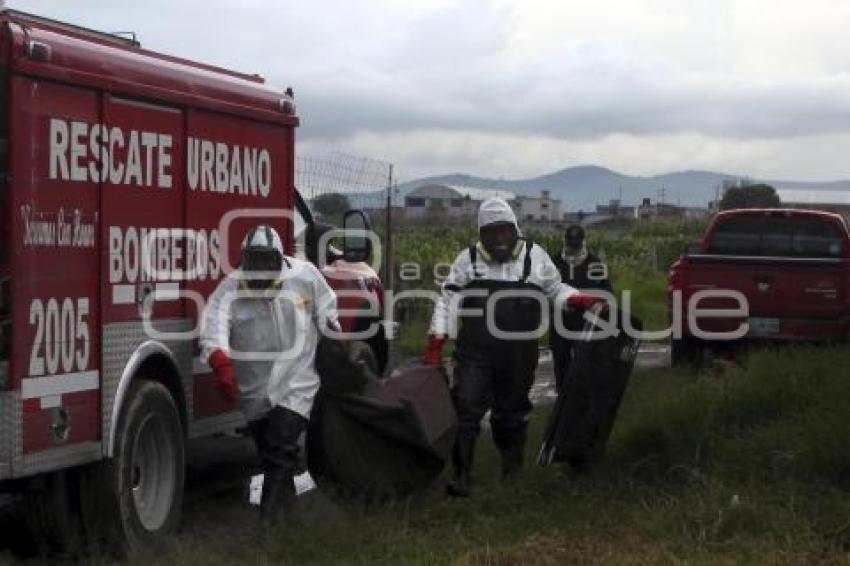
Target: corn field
x: 638, y: 258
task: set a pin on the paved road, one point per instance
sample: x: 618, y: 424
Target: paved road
x: 650, y: 356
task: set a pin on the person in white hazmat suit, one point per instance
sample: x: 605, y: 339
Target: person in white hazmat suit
x: 503, y: 283
x: 259, y: 333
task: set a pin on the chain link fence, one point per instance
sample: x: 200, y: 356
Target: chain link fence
x: 337, y: 182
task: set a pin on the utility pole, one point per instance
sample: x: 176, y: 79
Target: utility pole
x: 390, y: 325
x: 388, y: 245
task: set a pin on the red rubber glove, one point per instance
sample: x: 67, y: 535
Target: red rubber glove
x: 584, y: 302
x: 434, y: 353
x: 225, y: 377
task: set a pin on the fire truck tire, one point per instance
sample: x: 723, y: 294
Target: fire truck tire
x: 52, y: 512
x: 362, y: 353
x: 146, y: 476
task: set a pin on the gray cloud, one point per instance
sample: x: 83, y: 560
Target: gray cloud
x: 719, y: 70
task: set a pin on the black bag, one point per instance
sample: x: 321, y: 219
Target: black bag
x: 585, y: 411
x: 376, y: 439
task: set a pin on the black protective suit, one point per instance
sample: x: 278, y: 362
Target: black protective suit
x: 495, y: 374
x: 276, y: 436
x: 577, y: 276
x: 492, y: 293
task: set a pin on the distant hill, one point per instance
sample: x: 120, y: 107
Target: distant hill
x: 585, y: 186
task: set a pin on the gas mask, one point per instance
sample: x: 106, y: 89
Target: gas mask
x: 575, y: 255
x: 262, y: 261
x: 574, y: 250
x: 499, y: 240
x: 261, y: 267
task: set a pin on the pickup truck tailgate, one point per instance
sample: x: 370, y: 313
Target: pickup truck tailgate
x: 774, y: 287
x: 790, y: 265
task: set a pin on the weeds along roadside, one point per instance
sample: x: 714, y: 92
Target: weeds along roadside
x: 747, y: 464
x: 780, y: 415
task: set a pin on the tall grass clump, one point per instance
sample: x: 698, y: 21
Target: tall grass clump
x: 781, y: 413
x: 740, y: 465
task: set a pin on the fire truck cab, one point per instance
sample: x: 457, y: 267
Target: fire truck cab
x: 127, y: 181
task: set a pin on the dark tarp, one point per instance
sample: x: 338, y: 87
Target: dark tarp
x: 586, y: 409
x: 378, y: 439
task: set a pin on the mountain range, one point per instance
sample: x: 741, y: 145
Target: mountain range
x: 585, y: 186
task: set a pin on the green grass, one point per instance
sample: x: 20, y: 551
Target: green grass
x: 745, y: 465
x: 647, y: 291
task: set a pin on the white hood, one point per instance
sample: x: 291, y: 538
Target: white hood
x: 260, y: 238
x: 496, y: 210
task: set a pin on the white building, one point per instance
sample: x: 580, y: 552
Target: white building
x: 828, y: 200
x: 537, y: 209
x: 449, y: 201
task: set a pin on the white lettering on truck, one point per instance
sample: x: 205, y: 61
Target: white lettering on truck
x: 162, y: 254
x: 219, y: 168
x: 88, y: 152
x: 85, y: 152
x: 64, y: 229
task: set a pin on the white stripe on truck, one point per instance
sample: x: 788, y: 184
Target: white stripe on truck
x: 167, y: 292
x: 34, y: 387
x: 123, y: 294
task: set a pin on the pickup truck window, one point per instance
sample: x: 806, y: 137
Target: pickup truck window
x: 777, y: 236
x: 737, y: 236
x: 818, y: 239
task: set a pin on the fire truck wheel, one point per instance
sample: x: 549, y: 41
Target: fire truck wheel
x: 148, y: 470
x: 363, y: 354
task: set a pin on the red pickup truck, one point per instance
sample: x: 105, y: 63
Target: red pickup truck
x: 790, y: 269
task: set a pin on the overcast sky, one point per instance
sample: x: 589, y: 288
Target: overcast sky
x: 517, y: 88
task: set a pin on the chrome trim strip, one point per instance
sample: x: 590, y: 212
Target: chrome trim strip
x: 766, y: 259
x: 142, y: 353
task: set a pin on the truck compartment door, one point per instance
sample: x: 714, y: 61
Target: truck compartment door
x: 144, y: 242
x: 55, y: 235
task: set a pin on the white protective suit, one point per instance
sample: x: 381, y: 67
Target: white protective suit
x: 543, y: 274
x: 271, y: 335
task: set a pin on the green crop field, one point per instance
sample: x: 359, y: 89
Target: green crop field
x: 638, y: 256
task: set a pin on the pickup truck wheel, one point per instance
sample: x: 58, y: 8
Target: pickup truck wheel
x: 686, y: 352
x: 146, y: 476
x: 361, y: 353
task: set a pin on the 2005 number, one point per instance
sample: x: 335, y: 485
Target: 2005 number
x: 62, y: 338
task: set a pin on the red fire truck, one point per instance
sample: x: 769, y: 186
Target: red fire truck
x: 129, y: 179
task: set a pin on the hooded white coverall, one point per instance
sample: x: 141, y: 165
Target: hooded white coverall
x: 271, y: 335
x: 492, y: 372
x: 543, y: 274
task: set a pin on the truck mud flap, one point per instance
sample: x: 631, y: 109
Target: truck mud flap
x: 584, y: 413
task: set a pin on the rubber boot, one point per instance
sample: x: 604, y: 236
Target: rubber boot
x: 461, y: 484
x: 278, y: 497
x: 512, y: 458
